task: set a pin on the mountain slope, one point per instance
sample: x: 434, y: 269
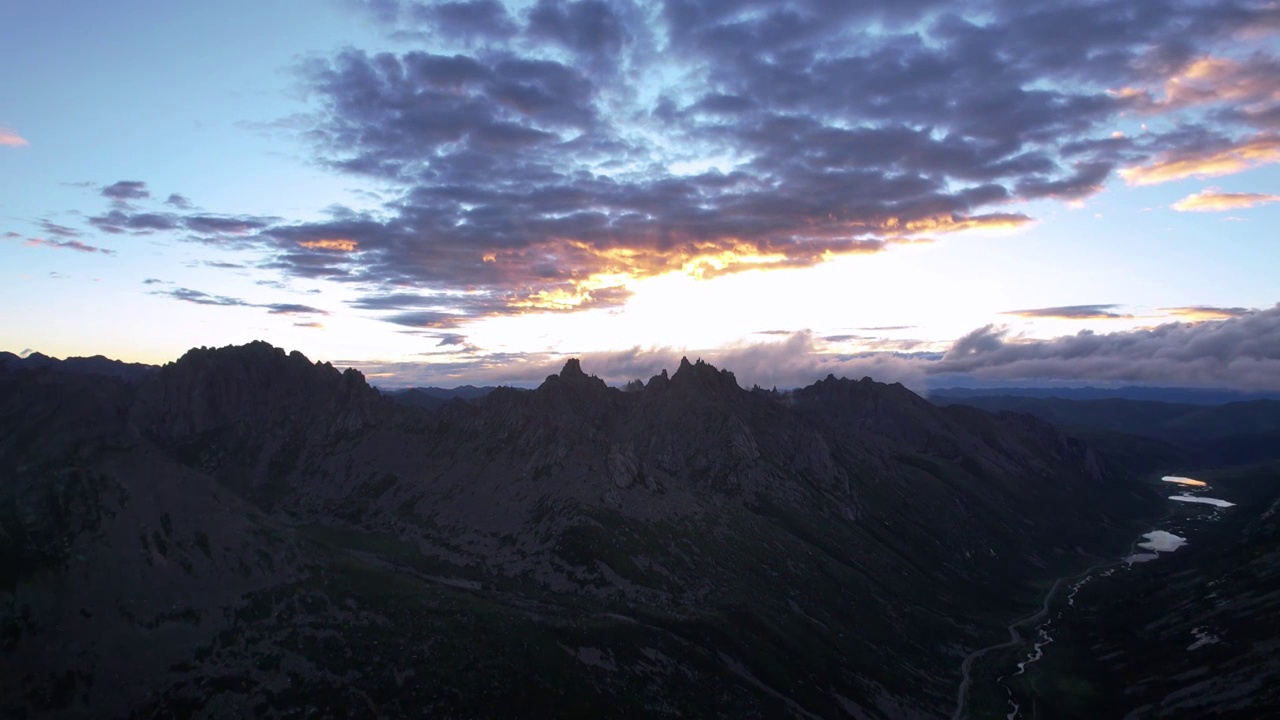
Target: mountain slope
x: 293, y: 538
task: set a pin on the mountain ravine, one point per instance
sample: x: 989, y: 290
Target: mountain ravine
x: 245, y: 533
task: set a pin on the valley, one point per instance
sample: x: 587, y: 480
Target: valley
x: 1143, y: 636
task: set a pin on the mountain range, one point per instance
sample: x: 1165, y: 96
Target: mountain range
x: 244, y: 531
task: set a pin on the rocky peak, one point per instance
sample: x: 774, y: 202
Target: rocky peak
x: 572, y: 370
x: 659, y: 382
x: 255, y: 385
x: 572, y: 376
x: 702, y: 375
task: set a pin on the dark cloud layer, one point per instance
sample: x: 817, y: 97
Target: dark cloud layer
x: 537, y: 153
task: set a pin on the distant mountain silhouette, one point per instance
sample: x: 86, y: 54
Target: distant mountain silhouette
x: 1185, y: 396
x: 431, y: 397
x: 1230, y: 433
x: 96, y: 365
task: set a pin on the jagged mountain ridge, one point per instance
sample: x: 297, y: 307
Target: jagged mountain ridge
x: 722, y: 530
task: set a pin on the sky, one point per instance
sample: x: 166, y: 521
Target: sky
x: 437, y: 193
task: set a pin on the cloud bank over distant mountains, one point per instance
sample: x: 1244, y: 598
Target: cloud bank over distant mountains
x: 1240, y: 352
x: 539, y: 156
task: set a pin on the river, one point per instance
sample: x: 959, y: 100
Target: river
x: 1154, y: 543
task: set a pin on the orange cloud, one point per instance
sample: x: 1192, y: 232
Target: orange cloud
x: 1209, y: 80
x: 12, y: 139
x: 951, y: 224
x: 1214, y: 200
x: 1262, y: 150
x: 333, y: 244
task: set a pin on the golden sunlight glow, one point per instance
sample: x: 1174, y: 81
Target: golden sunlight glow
x: 947, y: 224
x: 1184, y: 481
x: 1259, y: 151
x: 719, y: 263
x: 579, y: 295
x: 333, y: 244
x: 679, y: 311
x: 1214, y: 200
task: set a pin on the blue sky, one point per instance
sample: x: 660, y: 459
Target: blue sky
x: 470, y: 191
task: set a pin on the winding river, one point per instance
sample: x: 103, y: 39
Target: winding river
x: 1155, y: 542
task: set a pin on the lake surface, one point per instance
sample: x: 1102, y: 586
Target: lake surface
x: 1162, y: 541
x: 1205, y: 500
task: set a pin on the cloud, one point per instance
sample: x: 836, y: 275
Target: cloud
x: 478, y: 19
x: 1205, y: 312
x: 202, y: 298
x: 544, y: 155
x: 179, y: 201
x: 291, y: 309
x: 67, y: 243
x: 204, y: 227
x: 1202, y: 162
x: 62, y: 231
x: 10, y: 138
x: 118, y: 222
x: 1250, y: 84
x: 1242, y: 352
x: 1071, y: 312
x: 1214, y: 200
x: 125, y: 190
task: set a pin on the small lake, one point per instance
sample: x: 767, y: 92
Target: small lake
x: 1161, y: 541
x: 1204, y: 500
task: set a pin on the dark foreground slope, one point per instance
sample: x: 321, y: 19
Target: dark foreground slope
x: 244, y: 531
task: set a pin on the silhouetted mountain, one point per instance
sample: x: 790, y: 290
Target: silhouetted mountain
x: 96, y: 365
x: 246, y: 531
